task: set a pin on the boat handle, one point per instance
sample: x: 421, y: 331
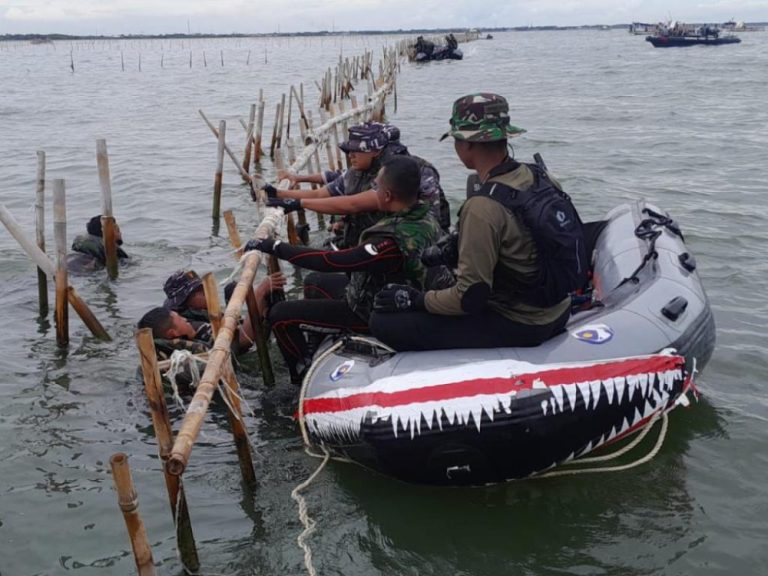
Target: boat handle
x: 675, y: 308
x: 687, y: 261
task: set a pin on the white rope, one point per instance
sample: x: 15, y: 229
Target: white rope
x: 643, y: 460
x: 179, y: 360
x: 306, y: 521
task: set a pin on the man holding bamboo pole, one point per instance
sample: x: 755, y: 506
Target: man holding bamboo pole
x: 388, y: 250
x: 351, y: 192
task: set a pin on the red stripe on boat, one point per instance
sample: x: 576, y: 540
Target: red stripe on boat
x: 498, y: 385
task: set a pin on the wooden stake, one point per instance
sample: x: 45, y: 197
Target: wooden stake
x: 262, y: 346
x: 257, y: 151
x: 290, y: 225
x: 336, y: 136
x: 290, y: 108
x: 42, y: 279
x: 282, y: 117
x: 232, y: 400
x: 153, y: 386
x: 219, y: 170
x: 44, y: 263
x: 273, y: 144
x: 215, y: 132
x: 109, y: 234
x: 60, y: 236
x: 249, y: 139
x: 129, y: 504
x: 314, y: 167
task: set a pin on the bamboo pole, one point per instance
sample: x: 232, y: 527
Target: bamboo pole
x: 315, y: 168
x: 336, y: 136
x: 44, y: 263
x: 219, y: 170
x: 249, y: 139
x: 161, y: 422
x: 129, y: 504
x: 262, y: 347
x: 60, y: 237
x: 257, y: 151
x: 234, y: 235
x: 232, y: 400
x: 109, y: 234
x: 290, y: 109
x: 301, y: 214
x: 273, y: 144
x: 215, y: 132
x: 220, y: 353
x: 281, y: 126
x: 328, y: 149
x: 290, y: 225
x: 42, y: 279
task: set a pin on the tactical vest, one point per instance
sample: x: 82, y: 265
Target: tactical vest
x: 412, y: 230
x: 557, y: 231
x: 93, y: 246
x: 444, y: 210
x: 356, y: 181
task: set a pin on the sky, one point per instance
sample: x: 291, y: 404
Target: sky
x: 112, y: 17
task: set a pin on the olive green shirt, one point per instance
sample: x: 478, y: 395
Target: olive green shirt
x: 490, y: 235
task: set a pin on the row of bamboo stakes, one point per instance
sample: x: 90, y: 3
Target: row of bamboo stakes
x: 65, y: 294
x: 175, y: 453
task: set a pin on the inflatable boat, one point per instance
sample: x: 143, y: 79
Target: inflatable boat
x: 477, y: 416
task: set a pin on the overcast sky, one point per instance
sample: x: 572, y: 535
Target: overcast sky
x: 256, y: 16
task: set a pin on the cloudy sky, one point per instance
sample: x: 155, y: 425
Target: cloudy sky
x: 224, y: 16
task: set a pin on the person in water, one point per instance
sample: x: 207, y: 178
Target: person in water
x: 89, y: 253
x: 388, y: 251
x: 520, y: 250
x: 185, y: 294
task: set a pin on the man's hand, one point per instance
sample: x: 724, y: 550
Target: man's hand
x: 265, y: 245
x: 287, y: 204
x: 270, y: 190
x: 286, y: 175
x: 398, y: 298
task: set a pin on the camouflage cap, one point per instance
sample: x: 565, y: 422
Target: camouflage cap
x: 482, y: 117
x: 367, y: 137
x: 179, y: 286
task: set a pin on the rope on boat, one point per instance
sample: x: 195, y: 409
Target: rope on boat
x: 654, y: 451
x: 180, y: 359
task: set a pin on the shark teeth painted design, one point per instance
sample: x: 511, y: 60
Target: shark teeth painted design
x: 471, y: 395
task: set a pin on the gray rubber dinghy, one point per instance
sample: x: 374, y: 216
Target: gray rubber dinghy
x: 476, y: 416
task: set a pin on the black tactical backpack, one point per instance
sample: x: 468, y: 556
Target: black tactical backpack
x: 557, y: 232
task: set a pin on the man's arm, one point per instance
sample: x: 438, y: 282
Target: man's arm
x: 479, y: 241
x: 355, y: 204
x: 377, y: 256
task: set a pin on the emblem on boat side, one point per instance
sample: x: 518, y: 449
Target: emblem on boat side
x: 594, y: 334
x: 341, y: 369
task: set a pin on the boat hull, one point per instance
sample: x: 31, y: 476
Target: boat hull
x: 477, y: 416
x: 683, y: 41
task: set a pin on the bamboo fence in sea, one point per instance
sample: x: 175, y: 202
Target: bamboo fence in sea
x: 338, y: 108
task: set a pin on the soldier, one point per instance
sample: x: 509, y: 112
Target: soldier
x: 89, y: 248
x: 388, y: 251
x: 351, y: 192
x: 186, y: 296
x: 520, y: 250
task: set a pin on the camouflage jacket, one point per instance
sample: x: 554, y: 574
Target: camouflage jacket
x: 90, y: 253
x: 412, y: 230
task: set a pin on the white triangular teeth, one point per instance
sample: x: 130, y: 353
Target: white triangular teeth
x: 631, y: 386
x: 643, y: 381
x: 609, y: 389
x: 570, y: 391
x: 552, y: 405
x: 619, y: 382
x: 648, y: 409
x: 544, y: 406
x: 557, y: 392
x: 638, y: 417
x: 595, y: 387
x: 584, y: 389
x: 477, y: 415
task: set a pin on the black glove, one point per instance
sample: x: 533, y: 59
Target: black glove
x: 266, y: 245
x: 398, y: 298
x: 287, y: 204
x: 270, y: 190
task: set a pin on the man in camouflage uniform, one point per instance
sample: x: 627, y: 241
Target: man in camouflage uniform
x: 388, y: 251
x: 89, y: 253
x: 495, y: 301
x: 351, y: 192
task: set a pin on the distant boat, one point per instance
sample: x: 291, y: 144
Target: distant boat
x: 488, y: 37
x: 663, y: 41
x: 680, y: 35
x: 734, y: 26
x: 642, y: 28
